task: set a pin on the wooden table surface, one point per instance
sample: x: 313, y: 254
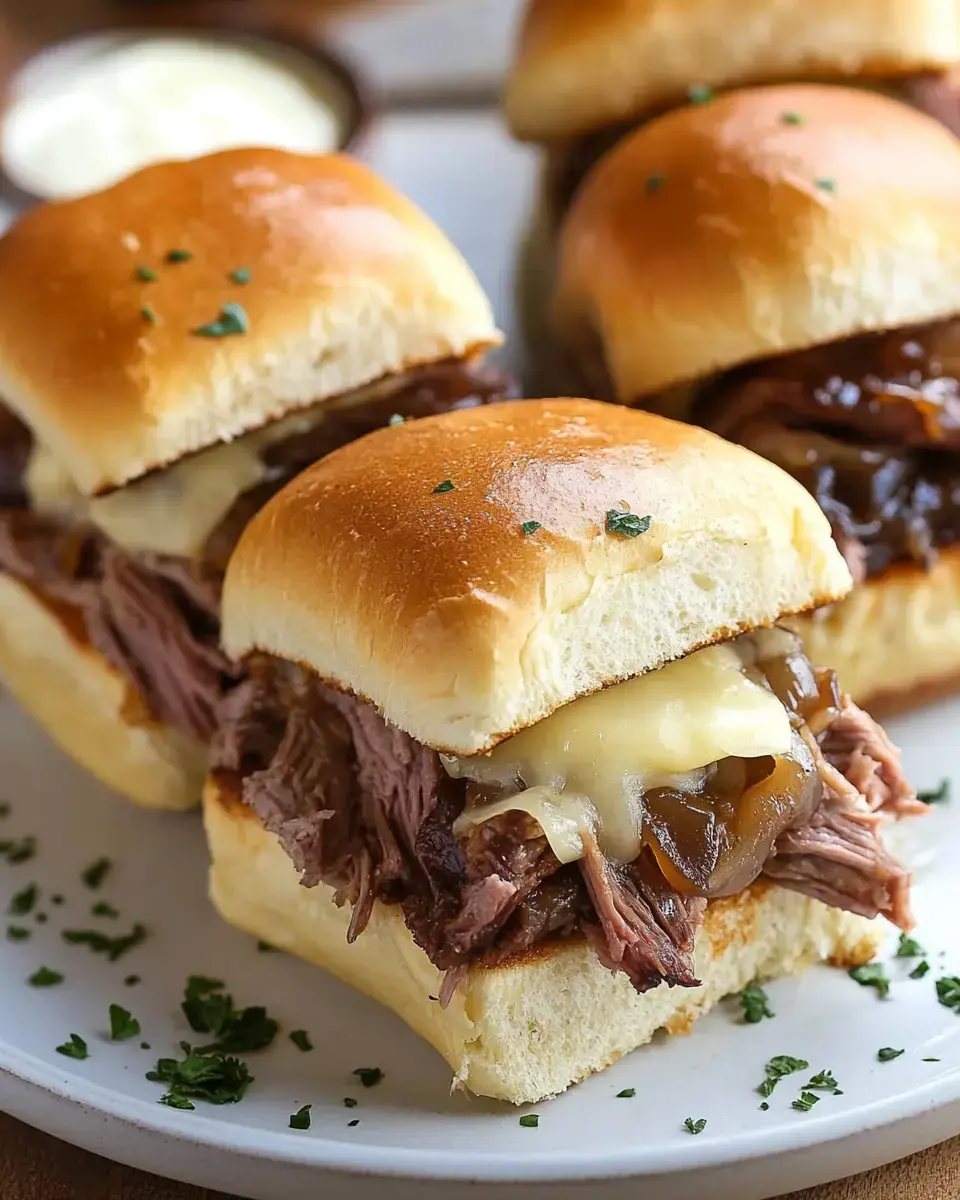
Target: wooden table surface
x: 34, y: 1166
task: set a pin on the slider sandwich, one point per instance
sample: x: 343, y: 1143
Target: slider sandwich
x: 782, y: 265
x: 172, y: 351
x: 585, y: 75
x: 523, y: 751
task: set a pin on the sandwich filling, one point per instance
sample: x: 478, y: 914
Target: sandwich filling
x: 569, y: 161
x: 137, y: 573
x: 870, y: 426
x: 618, y: 818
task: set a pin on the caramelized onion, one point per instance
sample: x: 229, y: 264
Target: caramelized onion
x: 716, y: 844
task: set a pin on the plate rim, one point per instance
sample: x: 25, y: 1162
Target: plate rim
x: 407, y: 1163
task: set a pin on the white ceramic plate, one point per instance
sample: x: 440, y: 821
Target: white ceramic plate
x: 409, y: 1125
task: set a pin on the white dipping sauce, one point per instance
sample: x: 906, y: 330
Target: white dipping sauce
x: 87, y: 115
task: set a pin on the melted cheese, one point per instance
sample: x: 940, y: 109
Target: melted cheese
x: 598, y: 755
x: 174, y: 510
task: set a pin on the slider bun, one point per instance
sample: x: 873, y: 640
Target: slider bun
x: 81, y: 701
x: 895, y: 641
x: 582, y: 66
x: 461, y: 628
x: 762, y: 237
x: 585, y: 1017
x: 349, y: 282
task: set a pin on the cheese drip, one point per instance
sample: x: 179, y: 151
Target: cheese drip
x: 176, y: 509
x: 590, y: 762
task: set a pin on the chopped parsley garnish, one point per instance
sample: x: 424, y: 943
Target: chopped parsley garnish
x: 100, y: 943
x: 654, y: 183
x: 887, y: 1054
x: 627, y: 1094
x: 792, y: 118
x: 57, y: 899
x: 146, y: 274
x: 948, y: 992
x: 301, y: 1039
x: 41, y: 918
x: 764, y: 1107
x: 144, y: 1045
x: 755, y: 1004
x: 215, y: 1078
x: 529, y: 527
x: 44, y: 977
x: 265, y: 947
x: 241, y: 275
x: 909, y: 947
x: 698, y: 94
x: 778, y: 1067
x: 23, y: 902
x: 17, y: 933
x: 103, y: 909
x: 232, y: 320
x: 929, y: 1059
x: 209, y: 1009
x: 823, y: 1081
x: 131, y: 980
x: 96, y: 873
x: 356, y: 1121
x: 872, y: 975
x: 692, y: 1126
x: 397, y: 419
x: 18, y: 852
x: 528, y: 1120
x: 826, y: 185
x: 148, y: 314
x: 178, y: 256
x: 123, y: 1026
x: 301, y: 1118
x: 921, y: 969
x: 806, y: 1101
x: 627, y: 524
x: 369, y: 1076
x: 4, y: 809
x: 446, y: 485
x: 349, y: 1102
x: 75, y: 1048
x: 938, y: 795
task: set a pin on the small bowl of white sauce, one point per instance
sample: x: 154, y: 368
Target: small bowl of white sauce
x: 84, y: 114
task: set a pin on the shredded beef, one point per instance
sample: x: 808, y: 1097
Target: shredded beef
x: 15, y: 445
x: 363, y: 807
x: 645, y: 929
x: 154, y: 619
x: 859, y: 749
x: 870, y: 426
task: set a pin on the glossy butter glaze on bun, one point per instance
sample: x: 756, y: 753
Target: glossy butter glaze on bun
x: 762, y: 222
x: 470, y: 572
x: 581, y: 66
x: 197, y: 300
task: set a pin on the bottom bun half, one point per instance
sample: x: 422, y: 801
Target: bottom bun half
x: 82, y: 702
x: 523, y: 1031
x: 894, y: 641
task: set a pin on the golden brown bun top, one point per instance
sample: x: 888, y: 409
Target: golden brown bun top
x: 348, y: 282
x: 581, y: 65
x: 762, y: 222
x: 469, y: 611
